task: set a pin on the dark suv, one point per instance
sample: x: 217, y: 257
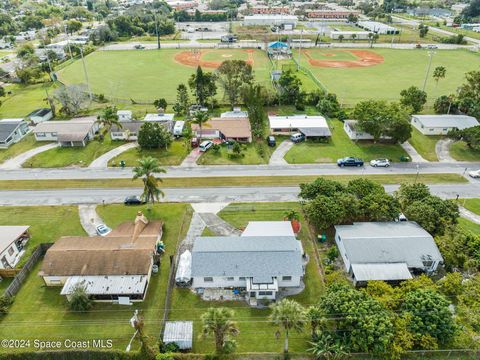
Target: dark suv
x: 349, y: 161
x: 271, y: 141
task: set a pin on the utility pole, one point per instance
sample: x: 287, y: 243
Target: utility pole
x: 68, y: 42
x: 86, y: 75
x: 430, y: 54
x: 299, y: 50
x: 156, y: 30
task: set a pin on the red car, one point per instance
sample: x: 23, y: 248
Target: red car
x: 194, y: 142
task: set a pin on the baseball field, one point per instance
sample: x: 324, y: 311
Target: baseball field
x: 145, y: 75
x: 382, y: 73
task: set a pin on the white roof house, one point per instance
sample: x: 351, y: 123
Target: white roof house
x: 235, y: 113
x: 124, y: 115
x: 269, y: 228
x: 159, y: 117
x: 386, y: 251
x: 442, y: 124
x: 124, y: 285
x: 180, y: 333
x: 310, y: 126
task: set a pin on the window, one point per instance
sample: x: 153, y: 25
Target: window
x: 265, y: 293
x: 208, y: 279
x: 11, y: 250
x: 241, y: 278
x: 339, y: 239
x: 286, y: 278
x: 39, y: 134
x: 230, y: 278
x: 54, y: 134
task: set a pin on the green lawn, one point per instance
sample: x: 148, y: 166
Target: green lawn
x: 460, y: 151
x: 24, y: 99
x: 469, y: 225
x: 340, y: 146
x: 400, y: 70
x: 72, y: 156
x: 425, y: 145
x: 40, y: 312
x: 257, y: 334
x: 149, y: 74
x: 173, y: 156
x: 471, y: 204
x: 47, y: 223
x: 27, y: 143
x: 251, y: 155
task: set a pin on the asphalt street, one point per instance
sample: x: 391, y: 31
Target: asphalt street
x: 239, y: 170
x: 195, y: 195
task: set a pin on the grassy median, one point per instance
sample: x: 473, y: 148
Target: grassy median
x: 225, y: 181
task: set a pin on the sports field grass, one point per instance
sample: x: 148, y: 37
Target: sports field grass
x: 400, y: 70
x: 150, y: 74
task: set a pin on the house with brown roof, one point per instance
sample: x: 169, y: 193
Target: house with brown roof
x: 225, y: 128
x: 115, y: 268
x: 75, y: 132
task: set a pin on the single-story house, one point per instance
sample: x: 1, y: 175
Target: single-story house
x: 128, y: 131
x: 235, y: 113
x: 180, y: 333
x: 310, y: 126
x: 40, y: 115
x: 162, y: 119
x: 75, y: 132
x: 354, y: 133
x: 236, y: 128
x: 12, y: 241
x: 124, y: 115
x: 388, y: 251
x: 268, y: 228
x: 12, y: 131
x: 442, y: 124
x: 260, y: 265
x: 115, y: 268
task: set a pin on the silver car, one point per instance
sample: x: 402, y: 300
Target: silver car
x: 380, y: 163
x: 103, y: 230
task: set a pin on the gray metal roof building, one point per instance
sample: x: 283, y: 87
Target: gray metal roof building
x: 180, y: 333
x: 259, y: 257
x: 446, y: 121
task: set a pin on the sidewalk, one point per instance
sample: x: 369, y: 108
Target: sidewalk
x: 412, y: 152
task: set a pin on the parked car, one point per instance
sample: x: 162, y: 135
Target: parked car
x: 271, y: 141
x: 418, y: 46
x: 431, y: 46
x: 205, y: 145
x: 194, y: 142
x: 474, y: 174
x: 297, y: 137
x: 103, y: 230
x: 133, y: 200
x: 380, y: 163
x: 139, y: 47
x: 349, y: 161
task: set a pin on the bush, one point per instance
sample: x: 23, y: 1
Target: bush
x: 166, y: 356
x: 169, y: 348
x: 79, y: 299
x: 5, y: 302
x: 216, y: 148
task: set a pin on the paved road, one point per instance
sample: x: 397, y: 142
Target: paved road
x: 239, y: 170
x: 195, y: 195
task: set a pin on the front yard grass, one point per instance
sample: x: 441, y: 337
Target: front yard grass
x: 425, y: 145
x: 471, y: 204
x: 175, y: 154
x: 340, y: 146
x: 43, y: 309
x: 73, y: 156
x: 27, y: 143
x: 257, y: 333
x: 252, y: 154
x: 461, y: 152
x: 47, y: 223
x: 469, y: 225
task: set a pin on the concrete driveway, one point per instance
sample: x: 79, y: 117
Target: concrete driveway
x: 278, y: 155
x: 89, y: 219
x: 17, y: 161
x: 102, y: 161
x: 442, y: 149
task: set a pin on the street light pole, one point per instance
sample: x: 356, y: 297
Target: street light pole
x: 68, y: 42
x: 418, y: 172
x: 86, y: 75
x: 430, y: 54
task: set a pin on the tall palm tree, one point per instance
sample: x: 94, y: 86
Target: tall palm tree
x: 439, y: 73
x: 200, y: 118
x: 218, y: 322
x: 316, y: 318
x: 108, y: 118
x: 147, y: 168
x: 289, y: 315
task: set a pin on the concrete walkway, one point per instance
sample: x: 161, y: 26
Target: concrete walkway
x: 102, y: 161
x: 469, y: 215
x: 197, y: 225
x: 442, y: 148
x: 191, y: 159
x: 412, y: 152
x: 219, y: 226
x: 89, y: 218
x: 17, y: 161
x: 278, y: 155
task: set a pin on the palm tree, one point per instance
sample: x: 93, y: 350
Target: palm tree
x: 146, y: 170
x: 290, y: 315
x: 316, y: 318
x: 200, y: 118
x: 439, y: 73
x: 218, y: 322
x: 108, y: 118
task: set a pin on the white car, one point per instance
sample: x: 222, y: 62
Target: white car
x: 205, y: 145
x: 380, y: 163
x: 474, y: 174
x: 103, y: 230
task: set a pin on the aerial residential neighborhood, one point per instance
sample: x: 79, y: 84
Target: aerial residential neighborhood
x: 246, y: 179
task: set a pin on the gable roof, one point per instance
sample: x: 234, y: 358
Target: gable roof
x: 76, y: 128
x: 8, y: 126
x: 445, y: 121
x: 127, y: 250
x: 8, y: 234
x: 387, y: 242
x: 297, y: 121
x: 249, y: 256
x: 131, y: 125
x: 237, y: 127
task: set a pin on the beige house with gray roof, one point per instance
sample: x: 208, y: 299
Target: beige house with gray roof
x: 75, y: 132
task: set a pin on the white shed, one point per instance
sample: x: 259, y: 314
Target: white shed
x: 184, y: 270
x: 180, y: 333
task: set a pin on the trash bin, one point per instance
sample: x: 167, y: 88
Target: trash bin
x: 404, y: 158
x: 122, y: 163
x: 322, y: 238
